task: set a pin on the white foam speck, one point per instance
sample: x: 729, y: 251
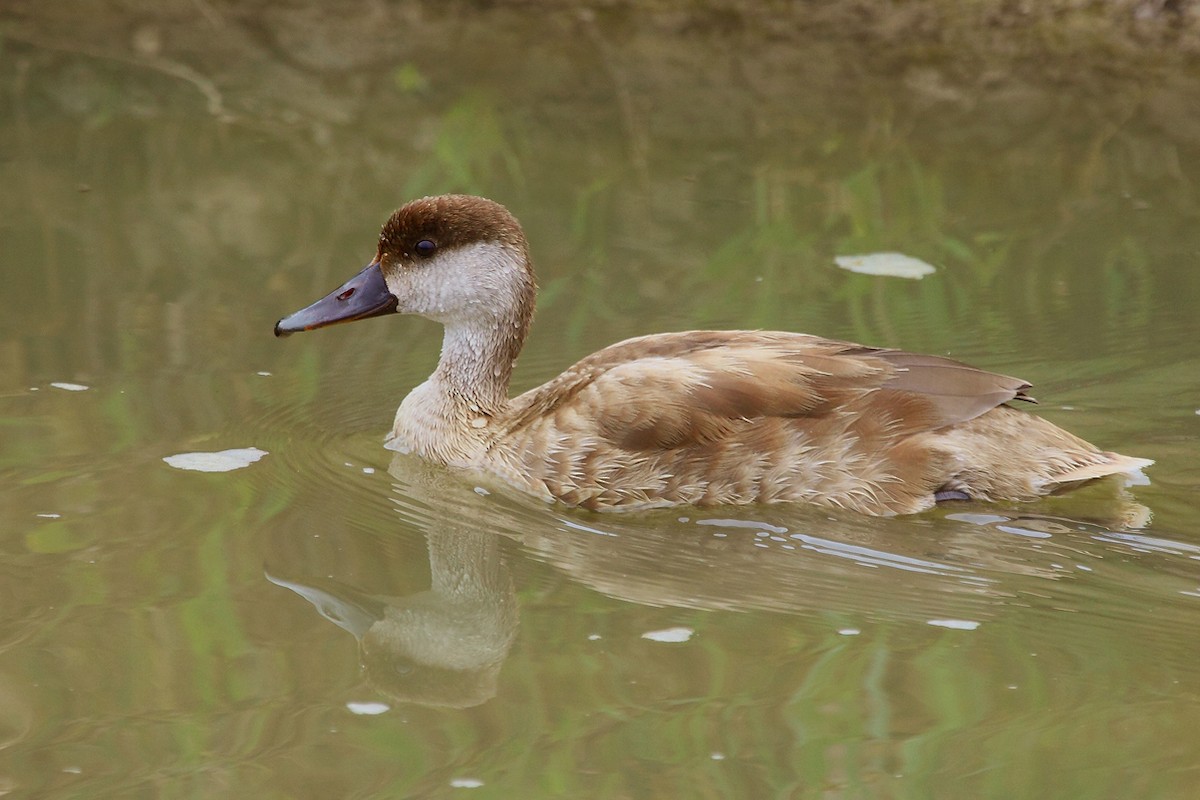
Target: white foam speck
x: 670, y: 635
x: 368, y: 470
x: 956, y: 624
x: 578, y: 527
x: 263, y: 374
x: 482, y: 492
x: 220, y: 461
x: 466, y: 783
x: 50, y: 516
x: 893, y: 265
x: 70, y: 387
x: 717, y: 756
x: 368, y: 709
x: 849, y: 631
x: 593, y: 637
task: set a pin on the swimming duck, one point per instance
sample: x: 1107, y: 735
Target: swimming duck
x: 696, y: 417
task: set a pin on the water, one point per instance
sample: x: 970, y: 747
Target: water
x: 333, y: 620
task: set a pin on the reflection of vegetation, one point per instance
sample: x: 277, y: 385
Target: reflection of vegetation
x: 778, y: 269
x: 408, y: 79
x: 753, y: 265
x: 471, y: 151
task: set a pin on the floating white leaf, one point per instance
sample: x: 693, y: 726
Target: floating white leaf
x: 671, y: 635
x: 895, y: 265
x: 221, y: 461
x: 956, y: 624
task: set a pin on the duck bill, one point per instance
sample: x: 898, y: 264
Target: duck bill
x: 364, y: 295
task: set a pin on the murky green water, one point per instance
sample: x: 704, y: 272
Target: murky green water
x: 328, y: 622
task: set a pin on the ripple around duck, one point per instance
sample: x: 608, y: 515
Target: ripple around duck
x: 1059, y: 565
x: 435, y: 498
x: 327, y: 456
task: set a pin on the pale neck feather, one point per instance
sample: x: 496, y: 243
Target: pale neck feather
x: 476, y: 365
x: 449, y: 417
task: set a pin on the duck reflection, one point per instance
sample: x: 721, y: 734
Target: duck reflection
x: 444, y: 646
x: 440, y: 647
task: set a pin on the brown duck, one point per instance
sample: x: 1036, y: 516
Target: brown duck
x: 704, y: 417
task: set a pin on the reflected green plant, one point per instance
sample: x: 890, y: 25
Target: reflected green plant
x: 57, y: 537
x: 409, y: 80
x: 753, y: 265
x: 471, y: 151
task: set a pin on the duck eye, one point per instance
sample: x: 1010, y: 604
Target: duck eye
x: 425, y: 248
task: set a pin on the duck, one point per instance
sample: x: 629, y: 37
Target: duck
x: 703, y: 417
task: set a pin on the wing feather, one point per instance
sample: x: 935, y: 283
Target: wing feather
x: 692, y: 389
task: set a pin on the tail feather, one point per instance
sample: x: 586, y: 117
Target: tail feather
x: 1112, y: 464
x: 1008, y: 454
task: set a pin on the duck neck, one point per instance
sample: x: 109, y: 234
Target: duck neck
x: 448, y: 417
x: 476, y: 365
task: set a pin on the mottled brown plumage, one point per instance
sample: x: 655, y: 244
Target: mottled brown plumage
x: 704, y: 417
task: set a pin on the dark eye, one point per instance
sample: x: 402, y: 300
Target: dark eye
x: 425, y: 248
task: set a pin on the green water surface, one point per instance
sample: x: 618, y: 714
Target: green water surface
x: 335, y: 621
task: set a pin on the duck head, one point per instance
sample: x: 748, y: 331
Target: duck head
x: 454, y: 259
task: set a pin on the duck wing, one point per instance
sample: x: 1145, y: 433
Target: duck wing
x: 677, y: 390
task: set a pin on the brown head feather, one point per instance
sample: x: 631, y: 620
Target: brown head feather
x: 449, y: 221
